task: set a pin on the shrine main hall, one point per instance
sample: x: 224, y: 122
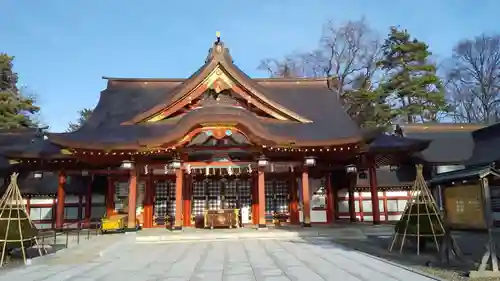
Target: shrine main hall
x: 273, y: 150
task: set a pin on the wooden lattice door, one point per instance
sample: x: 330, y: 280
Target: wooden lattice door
x: 277, y: 199
x: 164, y: 202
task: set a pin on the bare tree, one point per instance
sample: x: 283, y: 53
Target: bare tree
x: 344, y: 53
x: 473, y: 80
x: 289, y: 66
x: 347, y: 55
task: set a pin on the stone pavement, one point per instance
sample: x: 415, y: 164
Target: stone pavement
x: 120, y: 258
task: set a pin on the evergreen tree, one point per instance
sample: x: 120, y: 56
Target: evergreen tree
x: 84, y: 115
x: 412, y: 79
x: 15, y: 109
x: 367, y: 104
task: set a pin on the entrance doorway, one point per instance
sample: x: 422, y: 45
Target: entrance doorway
x: 277, y: 199
x: 164, y: 202
x: 215, y: 193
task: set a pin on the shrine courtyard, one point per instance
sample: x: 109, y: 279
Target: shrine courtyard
x: 268, y: 255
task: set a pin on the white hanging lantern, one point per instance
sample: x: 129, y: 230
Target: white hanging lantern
x: 38, y: 174
x: 127, y: 165
x: 351, y: 169
x: 263, y: 161
x: 175, y: 163
x: 309, y: 161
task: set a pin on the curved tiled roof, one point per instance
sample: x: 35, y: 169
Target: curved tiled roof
x: 128, y: 101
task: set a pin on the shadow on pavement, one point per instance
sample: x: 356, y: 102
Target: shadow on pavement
x: 376, y: 244
x: 50, y: 242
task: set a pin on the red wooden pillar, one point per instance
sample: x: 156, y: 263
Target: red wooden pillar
x: 179, y: 176
x: 261, y: 183
x: 188, y: 187
x: 294, y: 201
x: 88, y: 201
x: 61, y: 197
x: 110, y: 197
x: 330, y: 201
x: 148, y: 202
x: 374, y: 193
x: 132, y: 199
x: 255, y: 200
x: 306, y: 198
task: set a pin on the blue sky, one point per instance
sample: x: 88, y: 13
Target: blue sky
x: 64, y: 47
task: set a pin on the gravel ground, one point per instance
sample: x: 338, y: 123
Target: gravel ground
x: 470, y: 244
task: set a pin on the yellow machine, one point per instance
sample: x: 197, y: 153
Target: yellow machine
x: 115, y: 223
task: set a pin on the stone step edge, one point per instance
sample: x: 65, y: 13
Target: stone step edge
x: 238, y: 239
x: 254, y: 236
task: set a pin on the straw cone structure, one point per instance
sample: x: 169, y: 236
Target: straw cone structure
x: 421, y: 218
x: 16, y: 228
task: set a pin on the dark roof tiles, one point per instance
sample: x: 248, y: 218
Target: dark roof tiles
x: 450, y: 143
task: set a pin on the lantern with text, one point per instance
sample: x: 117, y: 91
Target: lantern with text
x: 309, y: 161
x: 127, y: 165
x: 263, y: 161
x: 175, y: 163
x: 351, y: 169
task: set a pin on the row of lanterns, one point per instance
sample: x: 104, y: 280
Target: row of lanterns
x: 176, y: 163
x: 262, y: 162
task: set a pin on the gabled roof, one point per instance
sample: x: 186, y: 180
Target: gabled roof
x: 219, y: 67
x: 313, y: 115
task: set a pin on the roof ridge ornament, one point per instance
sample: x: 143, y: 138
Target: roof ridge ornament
x: 218, y: 51
x: 217, y: 34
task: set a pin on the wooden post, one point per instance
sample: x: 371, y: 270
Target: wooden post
x: 374, y: 193
x: 330, y: 201
x: 148, y: 202
x: 88, y: 202
x: 61, y: 197
x: 261, y: 183
x: 179, y: 176
x: 188, y: 187
x: 294, y: 201
x: 306, y: 198
x: 132, y: 199
x: 28, y: 205
x: 110, y: 197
